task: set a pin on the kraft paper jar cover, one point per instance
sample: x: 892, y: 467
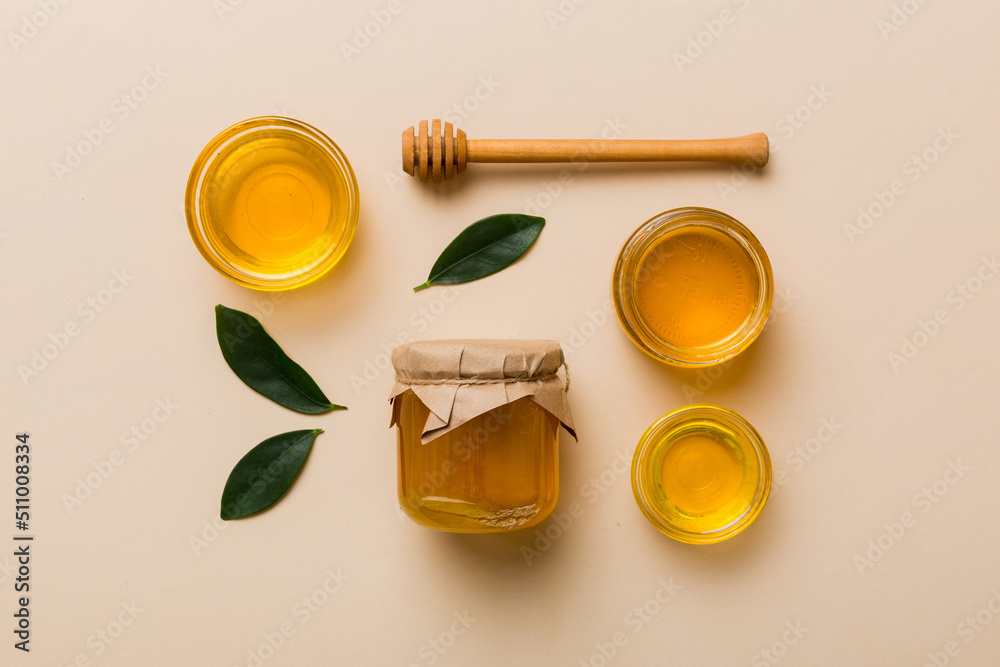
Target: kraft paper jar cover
x: 461, y: 379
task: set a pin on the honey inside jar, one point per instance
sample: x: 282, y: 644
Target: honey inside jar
x: 498, y: 471
x: 692, y: 287
x: 701, y: 474
x: 477, y: 431
x: 272, y: 203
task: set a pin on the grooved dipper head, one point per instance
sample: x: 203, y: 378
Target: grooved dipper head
x: 433, y: 156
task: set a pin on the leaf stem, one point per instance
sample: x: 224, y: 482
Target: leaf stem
x: 483, y: 248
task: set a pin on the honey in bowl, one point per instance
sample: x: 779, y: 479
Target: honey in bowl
x: 701, y: 474
x: 695, y: 287
x: 692, y: 287
x: 272, y: 203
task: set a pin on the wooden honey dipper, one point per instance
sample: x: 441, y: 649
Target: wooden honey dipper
x: 436, y: 156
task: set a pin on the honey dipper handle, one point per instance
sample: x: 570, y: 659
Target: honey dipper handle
x: 752, y: 148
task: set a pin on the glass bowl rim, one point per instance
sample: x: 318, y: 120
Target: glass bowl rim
x: 196, y: 181
x: 642, y: 457
x: 626, y: 267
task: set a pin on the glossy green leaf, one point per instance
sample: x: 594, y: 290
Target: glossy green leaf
x: 261, y: 477
x: 263, y: 365
x: 483, y: 248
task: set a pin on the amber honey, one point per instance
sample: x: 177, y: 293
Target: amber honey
x: 701, y: 474
x: 272, y: 203
x: 692, y: 287
x: 498, y: 471
x: 695, y: 287
x: 477, y: 424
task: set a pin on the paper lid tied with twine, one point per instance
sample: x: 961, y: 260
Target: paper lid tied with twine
x: 461, y: 379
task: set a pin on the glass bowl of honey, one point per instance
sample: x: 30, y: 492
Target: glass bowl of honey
x: 692, y: 287
x: 272, y: 203
x: 701, y: 474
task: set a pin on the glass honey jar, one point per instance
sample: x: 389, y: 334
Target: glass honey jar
x: 477, y: 432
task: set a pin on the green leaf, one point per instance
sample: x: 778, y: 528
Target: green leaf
x: 483, y: 248
x: 263, y: 365
x: 265, y: 473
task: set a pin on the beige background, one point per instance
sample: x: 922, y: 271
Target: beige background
x: 207, y: 595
